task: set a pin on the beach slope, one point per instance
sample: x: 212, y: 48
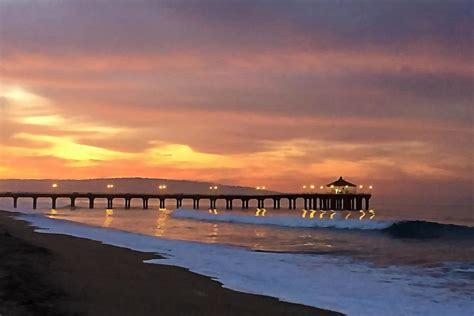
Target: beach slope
x: 49, y: 274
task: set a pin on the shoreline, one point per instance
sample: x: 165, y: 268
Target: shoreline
x: 65, y: 275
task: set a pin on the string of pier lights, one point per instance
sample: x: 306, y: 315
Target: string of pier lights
x: 215, y: 187
x: 311, y: 187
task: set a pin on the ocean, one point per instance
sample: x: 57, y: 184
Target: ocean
x: 393, y: 260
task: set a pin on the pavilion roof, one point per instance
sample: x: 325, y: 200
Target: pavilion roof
x: 341, y: 183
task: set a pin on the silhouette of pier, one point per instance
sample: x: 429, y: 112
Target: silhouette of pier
x: 320, y: 201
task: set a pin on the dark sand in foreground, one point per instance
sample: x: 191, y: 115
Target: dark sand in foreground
x: 48, y: 274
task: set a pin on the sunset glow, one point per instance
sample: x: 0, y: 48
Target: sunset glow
x: 229, y: 96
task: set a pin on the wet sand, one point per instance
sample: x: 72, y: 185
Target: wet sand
x: 50, y: 274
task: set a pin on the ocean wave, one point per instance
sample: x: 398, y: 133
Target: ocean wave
x: 397, y: 229
x: 424, y: 229
x: 284, y: 220
x: 334, y: 283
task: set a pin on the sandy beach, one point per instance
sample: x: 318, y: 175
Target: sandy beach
x: 49, y: 274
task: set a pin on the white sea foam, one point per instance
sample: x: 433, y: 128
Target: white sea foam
x: 338, y: 284
x: 285, y: 221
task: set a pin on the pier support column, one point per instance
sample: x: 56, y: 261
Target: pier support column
x: 110, y: 203
x: 73, y: 202
x: 15, y: 202
x: 196, y: 204
x: 162, y: 203
x: 35, y: 202
x: 307, y: 203
x: 91, y: 202
x: 276, y: 204
x: 145, y: 203
x: 127, y: 203
x: 179, y: 202
x: 367, y: 203
x: 53, y: 203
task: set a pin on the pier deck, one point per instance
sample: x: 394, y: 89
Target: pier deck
x: 322, y: 201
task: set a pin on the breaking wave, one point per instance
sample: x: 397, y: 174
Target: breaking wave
x: 400, y: 229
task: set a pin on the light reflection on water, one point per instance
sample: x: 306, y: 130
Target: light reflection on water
x: 374, y: 246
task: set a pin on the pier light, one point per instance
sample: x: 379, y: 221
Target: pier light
x: 261, y: 188
x: 213, y: 187
x: 361, y: 186
x: 162, y: 186
x: 321, y: 187
x: 110, y: 186
x: 304, y: 187
x: 54, y: 185
x: 312, y: 187
x: 371, y: 187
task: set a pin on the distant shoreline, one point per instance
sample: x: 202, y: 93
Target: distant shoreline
x: 63, y: 275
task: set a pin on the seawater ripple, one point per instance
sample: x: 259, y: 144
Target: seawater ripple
x: 398, y: 229
x: 340, y: 284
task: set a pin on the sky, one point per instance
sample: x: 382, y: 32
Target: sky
x: 274, y: 93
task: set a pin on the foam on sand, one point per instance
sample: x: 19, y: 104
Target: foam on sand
x: 334, y: 283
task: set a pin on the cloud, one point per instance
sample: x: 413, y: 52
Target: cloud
x: 268, y: 92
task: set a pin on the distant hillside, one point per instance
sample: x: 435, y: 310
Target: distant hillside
x: 121, y: 185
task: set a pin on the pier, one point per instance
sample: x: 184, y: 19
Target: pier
x: 320, y: 201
